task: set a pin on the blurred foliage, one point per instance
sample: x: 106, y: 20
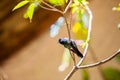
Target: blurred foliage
x: 117, y: 58
x: 111, y: 74
x: 80, y: 31
x: 117, y: 9
x: 81, y: 24
x: 119, y: 26
x: 66, y: 59
x: 85, y: 74
x: 55, y: 28
x: 80, y: 27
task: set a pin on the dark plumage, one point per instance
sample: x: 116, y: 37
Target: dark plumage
x: 70, y: 45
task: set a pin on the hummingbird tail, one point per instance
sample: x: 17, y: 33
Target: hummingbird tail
x: 79, y: 54
x: 75, y: 49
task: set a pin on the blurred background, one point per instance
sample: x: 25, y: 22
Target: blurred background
x: 28, y: 53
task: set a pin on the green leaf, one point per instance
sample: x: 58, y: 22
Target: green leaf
x: 66, y: 59
x: 30, y: 11
x: 57, y: 2
x: 85, y: 74
x: 111, y: 74
x: 19, y: 5
x: 117, y: 58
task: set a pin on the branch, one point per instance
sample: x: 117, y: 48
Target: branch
x: 87, y: 45
x: 89, y: 32
x: 101, y: 62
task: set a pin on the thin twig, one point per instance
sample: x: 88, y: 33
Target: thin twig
x: 68, y: 29
x: 70, y: 19
x: 100, y: 62
x: 67, y: 25
x: 67, y: 7
x: 69, y: 36
x: 47, y: 8
x: 52, y: 8
x: 73, y: 57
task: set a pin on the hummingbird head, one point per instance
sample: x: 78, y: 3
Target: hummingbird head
x: 65, y: 42
x: 61, y: 41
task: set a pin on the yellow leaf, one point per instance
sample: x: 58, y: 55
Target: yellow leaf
x: 80, y: 31
x: 66, y: 1
x: 57, y: 2
x: 19, y: 5
x: 30, y: 11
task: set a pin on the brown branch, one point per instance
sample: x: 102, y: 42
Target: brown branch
x: 100, y: 62
x: 73, y: 70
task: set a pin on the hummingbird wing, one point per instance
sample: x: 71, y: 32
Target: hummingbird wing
x: 75, y: 49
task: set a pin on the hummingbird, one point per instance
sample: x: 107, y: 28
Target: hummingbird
x: 71, y: 45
